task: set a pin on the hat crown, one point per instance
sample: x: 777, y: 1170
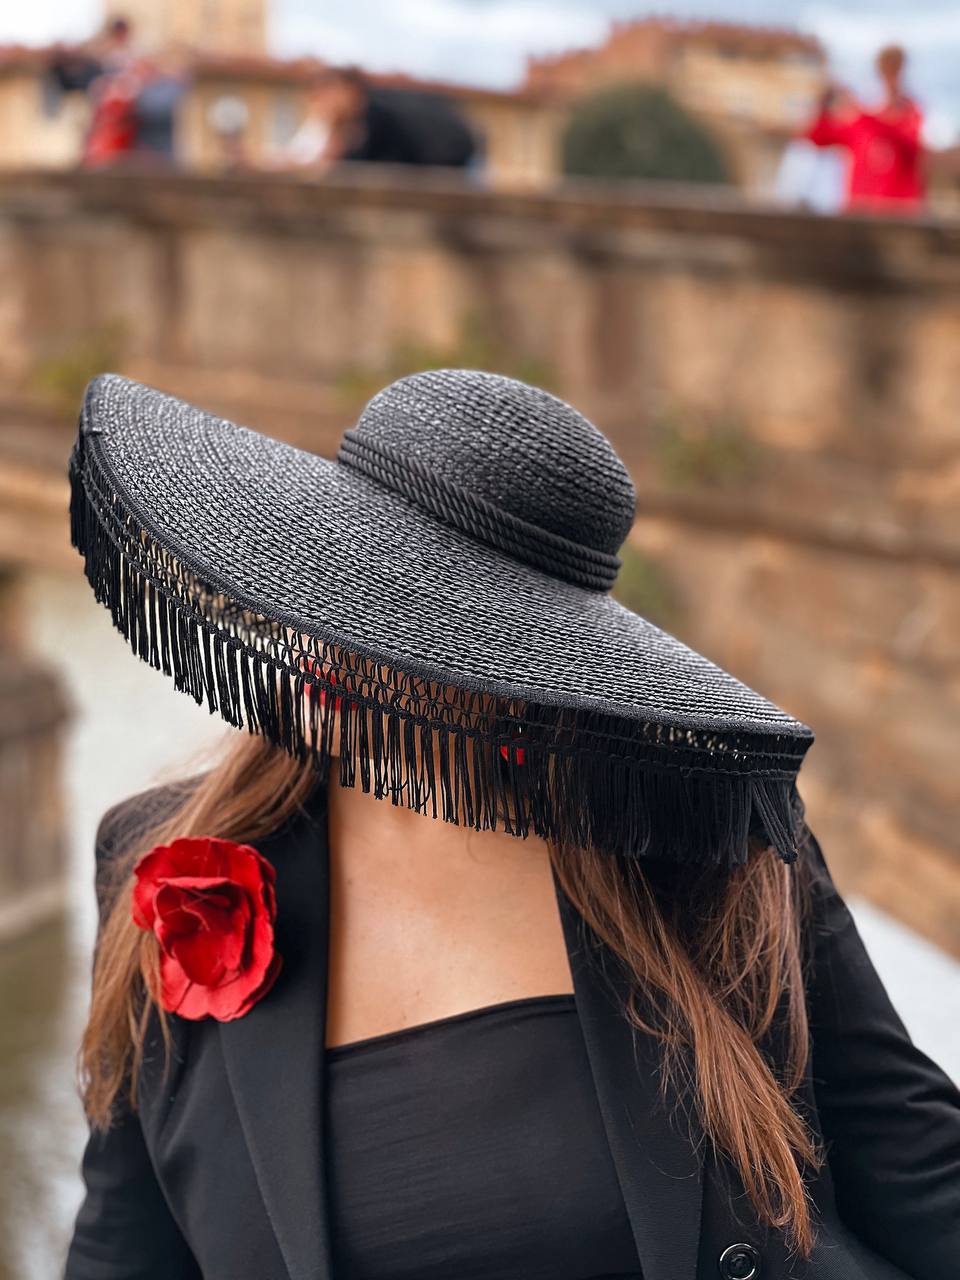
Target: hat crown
x: 509, y: 444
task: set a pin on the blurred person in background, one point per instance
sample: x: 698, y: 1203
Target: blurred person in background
x: 811, y: 177
x: 349, y: 119
x: 163, y: 83
x: 884, y: 145
x: 115, y: 47
x: 77, y: 67
x: 333, y: 121
x: 101, y: 69
x: 133, y: 98
x: 112, y: 134
x: 134, y: 114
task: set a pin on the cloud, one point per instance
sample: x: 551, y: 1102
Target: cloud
x: 862, y: 31
x: 43, y: 21
x: 445, y: 39
x: 487, y: 41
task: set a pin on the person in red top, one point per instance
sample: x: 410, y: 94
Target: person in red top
x: 112, y: 134
x: 885, y: 172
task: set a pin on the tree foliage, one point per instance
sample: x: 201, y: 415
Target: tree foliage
x: 638, y: 131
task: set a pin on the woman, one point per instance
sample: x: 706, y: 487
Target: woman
x: 885, y: 151
x: 332, y: 1036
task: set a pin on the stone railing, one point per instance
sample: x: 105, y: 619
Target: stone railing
x: 32, y: 835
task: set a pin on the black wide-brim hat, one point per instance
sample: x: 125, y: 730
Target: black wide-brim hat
x: 444, y: 585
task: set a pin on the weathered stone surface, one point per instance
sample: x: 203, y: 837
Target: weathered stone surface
x: 865, y: 650
x: 32, y: 835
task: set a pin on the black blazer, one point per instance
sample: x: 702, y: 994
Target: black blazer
x: 220, y: 1173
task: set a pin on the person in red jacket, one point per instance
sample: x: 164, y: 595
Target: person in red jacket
x: 885, y: 172
x: 112, y: 134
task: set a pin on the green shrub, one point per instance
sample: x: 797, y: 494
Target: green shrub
x: 643, y: 586
x: 638, y: 131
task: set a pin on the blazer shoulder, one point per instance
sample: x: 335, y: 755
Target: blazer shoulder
x: 824, y: 911
x: 125, y: 824
x: 126, y: 821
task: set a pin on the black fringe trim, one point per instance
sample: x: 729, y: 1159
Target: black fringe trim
x: 578, y: 777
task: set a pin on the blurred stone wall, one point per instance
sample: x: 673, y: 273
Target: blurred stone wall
x: 785, y: 389
x: 33, y: 716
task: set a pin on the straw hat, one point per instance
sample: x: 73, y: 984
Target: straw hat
x: 443, y: 585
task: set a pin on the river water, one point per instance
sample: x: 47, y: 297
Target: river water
x: 130, y: 729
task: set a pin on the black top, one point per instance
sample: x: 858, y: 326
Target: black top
x: 473, y: 1146
x: 402, y: 127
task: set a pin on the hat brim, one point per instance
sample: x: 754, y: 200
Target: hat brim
x: 320, y: 550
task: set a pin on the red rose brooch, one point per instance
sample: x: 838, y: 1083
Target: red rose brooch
x: 211, y: 906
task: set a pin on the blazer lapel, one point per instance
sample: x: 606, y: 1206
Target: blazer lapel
x: 274, y: 1055
x: 659, y: 1167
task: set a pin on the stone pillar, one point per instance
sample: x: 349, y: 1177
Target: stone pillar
x: 33, y: 712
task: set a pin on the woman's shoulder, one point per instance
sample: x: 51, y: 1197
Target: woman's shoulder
x: 127, y: 821
x: 824, y: 910
x: 127, y: 824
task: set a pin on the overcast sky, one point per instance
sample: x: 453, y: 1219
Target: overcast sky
x: 486, y: 41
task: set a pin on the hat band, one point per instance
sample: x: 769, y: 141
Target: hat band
x: 477, y: 516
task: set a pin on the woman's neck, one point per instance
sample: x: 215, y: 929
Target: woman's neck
x: 382, y: 829
x: 429, y: 919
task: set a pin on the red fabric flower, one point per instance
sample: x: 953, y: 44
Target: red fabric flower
x: 211, y: 906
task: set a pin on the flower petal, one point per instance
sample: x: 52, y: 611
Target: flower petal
x: 174, y: 984
x: 257, y: 994
x: 200, y: 956
x: 144, y: 911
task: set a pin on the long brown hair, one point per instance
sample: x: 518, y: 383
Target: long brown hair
x: 713, y: 960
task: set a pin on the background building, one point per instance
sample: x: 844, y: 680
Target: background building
x: 224, y: 26
x: 753, y: 86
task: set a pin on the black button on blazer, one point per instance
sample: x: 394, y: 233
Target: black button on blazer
x: 220, y: 1172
